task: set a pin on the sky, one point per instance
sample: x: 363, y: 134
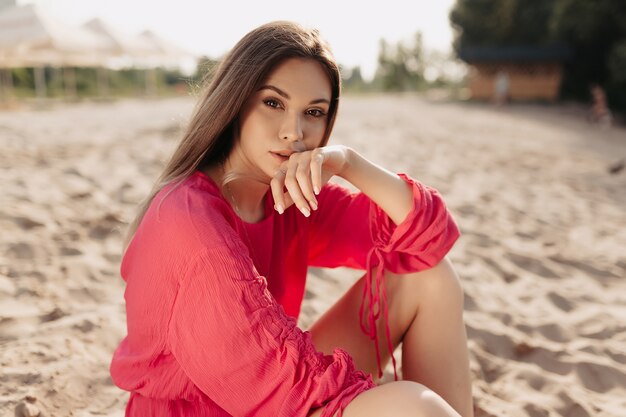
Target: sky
x: 353, y: 28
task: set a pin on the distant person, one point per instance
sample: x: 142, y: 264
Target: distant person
x: 600, y: 112
x: 501, y: 88
x: 216, y: 259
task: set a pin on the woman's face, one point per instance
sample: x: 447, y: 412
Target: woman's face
x: 288, y: 113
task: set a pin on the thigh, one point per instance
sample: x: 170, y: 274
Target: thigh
x: 396, y: 399
x: 339, y: 326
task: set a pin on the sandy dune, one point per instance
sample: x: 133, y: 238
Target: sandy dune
x: 542, y: 257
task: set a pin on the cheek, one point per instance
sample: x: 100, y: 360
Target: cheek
x: 316, y: 131
x: 259, y: 123
x: 252, y: 129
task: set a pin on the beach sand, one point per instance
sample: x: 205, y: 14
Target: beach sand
x: 542, y: 257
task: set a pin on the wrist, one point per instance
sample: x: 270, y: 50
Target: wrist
x: 351, y: 157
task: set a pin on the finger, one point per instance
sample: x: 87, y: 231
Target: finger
x: 291, y: 183
x: 316, y: 169
x: 277, y: 186
x: 303, y: 175
x: 288, y: 200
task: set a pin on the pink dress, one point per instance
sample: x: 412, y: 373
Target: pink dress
x: 212, y: 302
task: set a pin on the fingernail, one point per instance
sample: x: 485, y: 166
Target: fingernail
x: 279, y: 208
x: 305, y: 211
x: 313, y: 205
x: 316, y: 190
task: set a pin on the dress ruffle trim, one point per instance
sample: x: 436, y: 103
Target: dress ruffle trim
x: 335, y: 368
x: 390, y: 238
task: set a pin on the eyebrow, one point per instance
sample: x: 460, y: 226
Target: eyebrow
x: 284, y: 94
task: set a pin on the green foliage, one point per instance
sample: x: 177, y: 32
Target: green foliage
x: 592, y: 29
x: 127, y: 81
x: 617, y: 62
x: 23, y: 77
x: 205, y: 68
x: 617, y: 74
x: 116, y: 83
x: 400, y: 66
x: 353, y: 81
x: 504, y: 22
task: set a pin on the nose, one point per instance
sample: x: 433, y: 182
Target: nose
x: 291, y: 129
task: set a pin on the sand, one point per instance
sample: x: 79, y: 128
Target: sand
x: 542, y: 257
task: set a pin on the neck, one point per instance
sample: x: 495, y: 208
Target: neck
x: 245, y: 195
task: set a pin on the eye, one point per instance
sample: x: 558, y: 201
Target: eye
x: 272, y: 103
x: 316, y: 113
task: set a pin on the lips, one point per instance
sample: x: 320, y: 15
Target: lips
x: 286, y: 153
x: 279, y: 157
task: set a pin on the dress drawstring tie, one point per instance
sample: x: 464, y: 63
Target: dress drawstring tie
x: 375, y: 304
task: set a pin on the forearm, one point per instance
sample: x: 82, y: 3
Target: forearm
x: 390, y: 192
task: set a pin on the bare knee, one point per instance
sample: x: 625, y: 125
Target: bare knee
x: 440, y: 284
x: 399, y: 399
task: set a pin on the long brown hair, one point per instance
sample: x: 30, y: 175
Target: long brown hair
x: 209, y: 137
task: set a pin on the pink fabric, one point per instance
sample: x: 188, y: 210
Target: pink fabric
x: 212, y: 302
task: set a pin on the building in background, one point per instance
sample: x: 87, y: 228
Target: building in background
x: 531, y: 73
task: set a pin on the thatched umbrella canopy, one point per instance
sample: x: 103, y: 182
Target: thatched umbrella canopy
x: 29, y: 37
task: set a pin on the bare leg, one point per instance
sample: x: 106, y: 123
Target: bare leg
x: 396, y: 399
x: 434, y: 348
x: 425, y: 315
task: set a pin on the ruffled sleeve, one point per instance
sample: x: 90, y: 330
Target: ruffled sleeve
x: 349, y: 229
x: 237, y: 345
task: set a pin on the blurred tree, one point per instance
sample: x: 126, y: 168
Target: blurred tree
x: 352, y: 80
x: 23, y: 78
x: 501, y: 23
x: 592, y: 29
x: 400, y: 66
x: 205, y: 67
x: 86, y: 81
x: 617, y: 74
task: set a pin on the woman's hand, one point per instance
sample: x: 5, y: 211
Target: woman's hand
x: 304, y: 175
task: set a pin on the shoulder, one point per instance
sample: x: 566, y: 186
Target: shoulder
x: 188, y: 213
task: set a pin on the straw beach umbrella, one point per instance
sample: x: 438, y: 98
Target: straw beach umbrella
x: 29, y: 37
x: 145, y: 51
x: 167, y: 55
x: 129, y: 50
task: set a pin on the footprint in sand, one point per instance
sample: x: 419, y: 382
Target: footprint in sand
x: 534, y: 410
x: 27, y: 408
x: 584, y: 267
x: 554, y: 332
x: 560, y: 302
x: 570, y: 407
x: 21, y: 250
x: 69, y: 251
x: 600, y: 326
x: 600, y: 377
x: 507, y: 276
x: 103, y: 227
x: 53, y: 315
x: 85, y: 326
x: 534, y: 379
x: 26, y: 223
x: 547, y: 360
x: 531, y: 265
x: 480, y: 239
x: 76, y: 186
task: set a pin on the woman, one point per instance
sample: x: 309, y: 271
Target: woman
x: 216, y: 259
